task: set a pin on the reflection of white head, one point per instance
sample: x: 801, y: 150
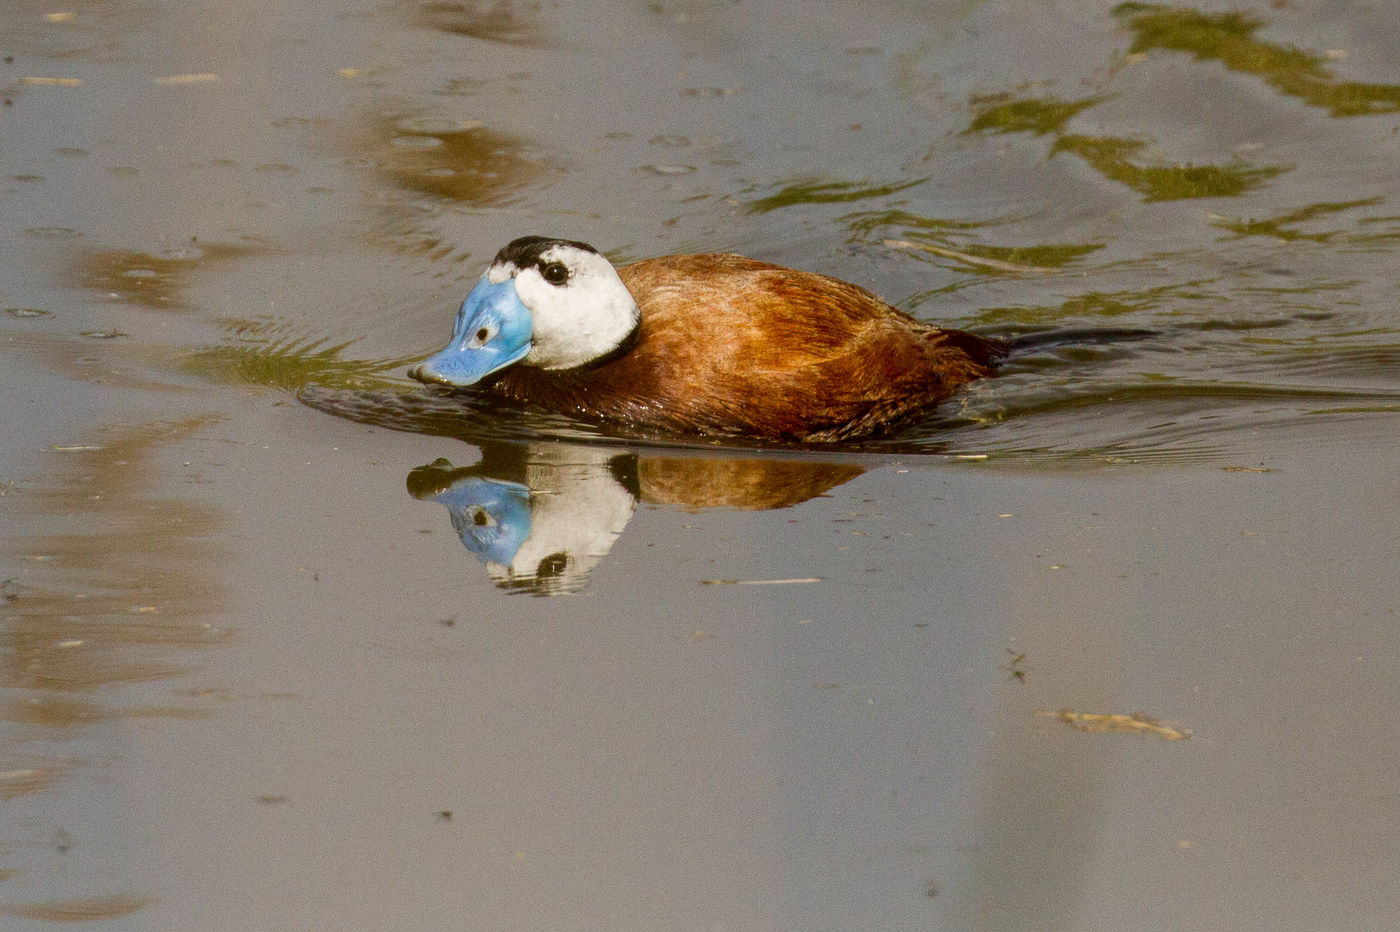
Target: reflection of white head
x: 580, y: 306
x: 577, y: 512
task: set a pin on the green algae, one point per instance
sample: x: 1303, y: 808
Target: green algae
x: 1229, y: 38
x: 1110, y: 157
x: 268, y: 356
x: 813, y: 190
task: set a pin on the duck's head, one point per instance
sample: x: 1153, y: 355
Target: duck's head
x: 551, y: 303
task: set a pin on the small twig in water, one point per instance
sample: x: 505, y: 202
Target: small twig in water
x: 944, y: 251
x: 758, y: 582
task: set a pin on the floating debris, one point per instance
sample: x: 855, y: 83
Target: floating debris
x: 669, y: 169
x: 759, y: 582
x: 1139, y: 723
x: 1016, y: 665
x: 712, y: 91
x: 51, y: 82
x: 178, y: 80
x: 53, y: 232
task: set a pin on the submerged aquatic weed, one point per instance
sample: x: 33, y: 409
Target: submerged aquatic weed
x: 1229, y: 39
x: 1088, y: 305
x: 1278, y: 227
x: 816, y: 191
x: 290, y: 362
x: 946, y: 238
x: 1043, y: 258
x: 1109, y: 156
x: 1038, y: 115
x: 865, y: 223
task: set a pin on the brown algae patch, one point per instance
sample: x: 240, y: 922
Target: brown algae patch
x: 153, y: 280
x: 457, y: 160
x: 504, y: 21
x: 126, y: 578
x: 23, y: 781
x: 84, y: 909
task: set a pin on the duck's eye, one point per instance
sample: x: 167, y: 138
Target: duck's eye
x: 556, y: 273
x: 553, y: 565
x: 481, y: 336
x: 480, y: 518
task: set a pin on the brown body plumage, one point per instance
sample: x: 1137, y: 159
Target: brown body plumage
x: 735, y: 347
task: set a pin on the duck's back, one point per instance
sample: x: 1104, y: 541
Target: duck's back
x: 729, y: 345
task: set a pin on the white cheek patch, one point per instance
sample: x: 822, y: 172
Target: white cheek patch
x: 585, y: 318
x: 582, y: 522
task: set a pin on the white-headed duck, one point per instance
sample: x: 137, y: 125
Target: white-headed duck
x: 705, y: 344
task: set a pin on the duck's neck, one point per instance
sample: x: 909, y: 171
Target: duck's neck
x: 614, y: 354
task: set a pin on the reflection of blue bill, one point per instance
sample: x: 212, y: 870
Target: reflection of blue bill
x: 491, y: 516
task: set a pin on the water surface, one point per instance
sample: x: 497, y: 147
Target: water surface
x: 288, y: 640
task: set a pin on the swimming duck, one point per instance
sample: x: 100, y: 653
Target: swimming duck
x: 710, y: 344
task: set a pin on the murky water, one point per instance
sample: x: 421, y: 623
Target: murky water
x: 270, y: 658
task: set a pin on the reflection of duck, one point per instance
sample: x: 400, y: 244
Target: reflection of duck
x: 700, y: 344
x: 541, y: 518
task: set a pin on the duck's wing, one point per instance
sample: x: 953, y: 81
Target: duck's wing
x: 795, y: 354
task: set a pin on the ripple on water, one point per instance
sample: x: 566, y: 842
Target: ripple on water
x: 1178, y: 395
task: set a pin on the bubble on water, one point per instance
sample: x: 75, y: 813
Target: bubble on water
x: 416, y: 142
x: 433, y: 125
x: 53, y: 232
x: 186, y: 253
